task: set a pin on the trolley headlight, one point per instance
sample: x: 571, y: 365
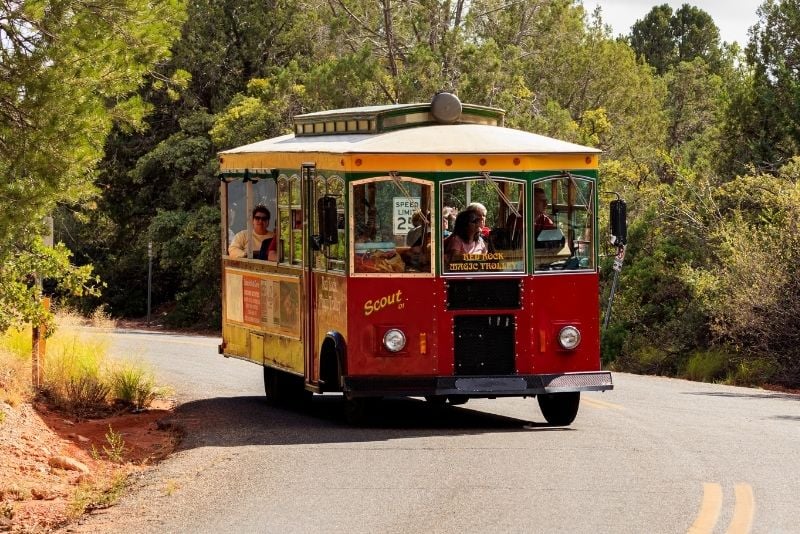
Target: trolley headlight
x: 569, y: 337
x: 394, y: 340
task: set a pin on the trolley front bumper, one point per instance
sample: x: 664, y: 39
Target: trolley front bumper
x: 478, y: 386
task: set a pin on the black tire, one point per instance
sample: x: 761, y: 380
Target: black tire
x: 284, y: 389
x: 559, y: 409
x: 358, y: 411
x: 457, y: 400
x: 272, y: 387
x: 437, y: 401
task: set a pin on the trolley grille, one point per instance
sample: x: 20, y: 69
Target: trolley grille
x: 484, y: 344
x: 484, y: 294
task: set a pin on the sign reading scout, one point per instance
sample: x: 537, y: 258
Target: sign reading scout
x: 404, y: 208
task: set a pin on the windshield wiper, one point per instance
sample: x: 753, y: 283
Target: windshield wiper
x: 500, y: 193
x: 398, y: 183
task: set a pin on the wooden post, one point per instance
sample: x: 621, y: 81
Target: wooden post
x: 39, y: 352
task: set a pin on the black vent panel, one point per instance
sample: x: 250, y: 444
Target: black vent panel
x: 484, y: 344
x: 484, y: 294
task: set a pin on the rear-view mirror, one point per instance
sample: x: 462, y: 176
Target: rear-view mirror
x: 328, y: 218
x: 619, y: 223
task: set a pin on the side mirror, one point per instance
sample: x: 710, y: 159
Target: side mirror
x: 328, y: 221
x: 619, y: 223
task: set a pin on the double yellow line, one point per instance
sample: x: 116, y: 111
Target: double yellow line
x: 603, y: 405
x: 708, y: 515
x: 743, y: 510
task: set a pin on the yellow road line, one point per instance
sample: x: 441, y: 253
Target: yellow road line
x: 591, y: 401
x: 157, y: 337
x: 709, y: 510
x: 188, y: 342
x: 743, y: 510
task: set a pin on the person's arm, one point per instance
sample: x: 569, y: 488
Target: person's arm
x: 454, y: 248
x: 272, y: 251
x: 238, y: 247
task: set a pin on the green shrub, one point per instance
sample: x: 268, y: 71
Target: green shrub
x: 707, y: 365
x: 133, y: 384
x: 646, y: 359
x: 753, y: 372
x: 73, y: 375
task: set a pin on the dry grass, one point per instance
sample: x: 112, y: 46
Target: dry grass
x: 15, y: 378
x: 78, y: 376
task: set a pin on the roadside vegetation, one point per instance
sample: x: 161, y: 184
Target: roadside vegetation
x: 79, y: 377
x: 61, y: 444
x: 700, y: 136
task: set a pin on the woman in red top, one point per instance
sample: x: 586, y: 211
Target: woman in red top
x: 466, y: 237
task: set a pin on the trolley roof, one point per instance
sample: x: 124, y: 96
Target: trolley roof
x: 443, y: 126
x: 436, y: 139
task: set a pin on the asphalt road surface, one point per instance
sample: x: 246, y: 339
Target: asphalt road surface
x: 653, y: 455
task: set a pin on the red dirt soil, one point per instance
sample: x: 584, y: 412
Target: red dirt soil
x: 35, y: 497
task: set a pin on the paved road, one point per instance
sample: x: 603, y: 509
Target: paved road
x: 654, y: 455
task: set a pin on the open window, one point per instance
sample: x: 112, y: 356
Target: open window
x: 391, y: 226
x: 251, y: 216
x: 563, y: 225
x: 496, y: 243
x: 329, y: 223
x: 291, y: 220
x: 237, y: 210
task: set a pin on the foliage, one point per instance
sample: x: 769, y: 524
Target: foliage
x: 78, y: 375
x: 68, y: 70
x: 20, y: 299
x: 757, y: 297
x: 697, y: 137
x: 96, y: 497
x: 665, y: 39
x: 707, y: 366
x: 73, y: 376
x: 763, y: 123
x: 15, y: 374
x: 754, y: 372
x: 116, y: 446
x: 133, y: 384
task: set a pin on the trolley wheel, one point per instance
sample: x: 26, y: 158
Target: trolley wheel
x: 436, y: 401
x: 272, y: 385
x: 359, y: 410
x: 457, y: 400
x: 559, y: 409
x: 284, y: 389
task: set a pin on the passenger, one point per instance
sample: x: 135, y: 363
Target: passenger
x: 363, y: 234
x: 466, y: 237
x: 541, y: 220
x: 448, y: 220
x: 415, y: 235
x: 264, y: 244
x: 482, y: 211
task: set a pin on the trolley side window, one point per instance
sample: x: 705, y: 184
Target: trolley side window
x: 391, y: 226
x: 291, y: 220
x: 237, y: 210
x: 563, y: 224
x: 251, y: 224
x: 330, y: 257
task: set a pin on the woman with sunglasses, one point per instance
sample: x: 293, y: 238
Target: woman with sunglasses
x: 263, y: 240
x: 466, y: 237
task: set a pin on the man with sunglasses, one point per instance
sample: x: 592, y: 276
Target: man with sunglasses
x: 264, y: 244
